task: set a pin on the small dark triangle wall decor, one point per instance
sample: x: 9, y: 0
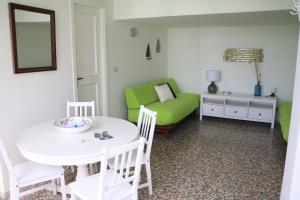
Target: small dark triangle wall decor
x: 148, y: 53
x: 158, y: 46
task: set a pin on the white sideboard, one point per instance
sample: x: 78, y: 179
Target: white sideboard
x: 239, y: 106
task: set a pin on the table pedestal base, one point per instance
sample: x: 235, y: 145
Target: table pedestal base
x: 82, y: 171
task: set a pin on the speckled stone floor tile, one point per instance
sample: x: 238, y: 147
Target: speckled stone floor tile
x: 213, y: 159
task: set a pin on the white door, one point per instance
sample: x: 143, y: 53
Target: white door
x: 88, y: 55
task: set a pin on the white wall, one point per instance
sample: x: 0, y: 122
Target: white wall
x: 191, y: 51
x: 128, y: 55
x: 27, y: 99
x: 133, y: 9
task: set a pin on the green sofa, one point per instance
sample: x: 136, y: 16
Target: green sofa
x: 285, y: 110
x: 168, y: 113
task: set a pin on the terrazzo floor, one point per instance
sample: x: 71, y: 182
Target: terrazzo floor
x: 215, y: 159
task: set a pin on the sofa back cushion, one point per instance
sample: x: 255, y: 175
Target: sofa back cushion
x: 140, y: 95
x: 144, y: 94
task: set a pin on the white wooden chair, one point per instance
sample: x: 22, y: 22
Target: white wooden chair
x: 81, y: 109
x: 146, y: 127
x: 29, y: 173
x: 112, y: 184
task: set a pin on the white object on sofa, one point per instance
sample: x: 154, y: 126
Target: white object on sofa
x: 239, y: 106
x: 164, y: 93
x: 113, y: 184
x: 29, y: 173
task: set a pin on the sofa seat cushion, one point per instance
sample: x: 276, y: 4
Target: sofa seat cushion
x: 174, y: 111
x: 285, y: 110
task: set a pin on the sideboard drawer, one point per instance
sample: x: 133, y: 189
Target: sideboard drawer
x: 261, y: 114
x: 211, y: 109
x: 234, y: 111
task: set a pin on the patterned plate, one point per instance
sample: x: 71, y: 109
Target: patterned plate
x: 74, y: 124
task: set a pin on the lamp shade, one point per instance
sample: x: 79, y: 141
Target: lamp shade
x: 212, y: 75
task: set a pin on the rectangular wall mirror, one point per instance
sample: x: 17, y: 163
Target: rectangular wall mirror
x: 33, y: 38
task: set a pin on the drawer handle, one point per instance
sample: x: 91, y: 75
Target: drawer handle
x: 212, y: 109
x: 259, y: 114
x: 235, y: 112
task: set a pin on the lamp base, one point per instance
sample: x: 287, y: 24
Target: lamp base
x: 212, y: 88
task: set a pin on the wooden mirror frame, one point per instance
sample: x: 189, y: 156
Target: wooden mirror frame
x: 17, y: 68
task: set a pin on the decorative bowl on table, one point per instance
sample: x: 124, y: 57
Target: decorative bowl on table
x: 73, y: 124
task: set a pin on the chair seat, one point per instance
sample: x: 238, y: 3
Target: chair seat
x: 30, y: 173
x: 88, y: 188
x: 111, y: 162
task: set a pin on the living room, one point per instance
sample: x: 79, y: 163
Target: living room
x: 202, y: 158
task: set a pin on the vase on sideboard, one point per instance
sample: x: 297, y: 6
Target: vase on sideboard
x: 257, y: 89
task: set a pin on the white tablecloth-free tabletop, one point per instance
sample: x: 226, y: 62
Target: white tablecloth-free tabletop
x: 43, y: 143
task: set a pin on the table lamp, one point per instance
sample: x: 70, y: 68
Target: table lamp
x: 212, y: 75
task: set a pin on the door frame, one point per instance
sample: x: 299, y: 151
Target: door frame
x: 291, y: 178
x: 102, y: 45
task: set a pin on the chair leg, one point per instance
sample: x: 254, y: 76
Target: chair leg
x: 73, y: 197
x: 149, y: 179
x: 63, y: 187
x: 14, y: 193
x: 53, y: 185
x: 135, y: 197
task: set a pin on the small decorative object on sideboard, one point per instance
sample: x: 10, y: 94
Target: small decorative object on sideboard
x: 257, y: 89
x: 212, y: 75
x: 273, y: 92
x: 226, y: 93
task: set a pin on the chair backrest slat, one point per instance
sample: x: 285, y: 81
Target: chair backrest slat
x: 148, y: 122
x: 81, y: 108
x: 146, y: 126
x: 76, y: 112
x: 129, y: 158
x: 85, y: 111
x: 122, y: 162
x: 122, y: 156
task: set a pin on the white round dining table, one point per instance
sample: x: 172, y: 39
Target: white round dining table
x: 44, y: 143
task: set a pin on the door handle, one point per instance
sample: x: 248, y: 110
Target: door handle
x: 79, y: 78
